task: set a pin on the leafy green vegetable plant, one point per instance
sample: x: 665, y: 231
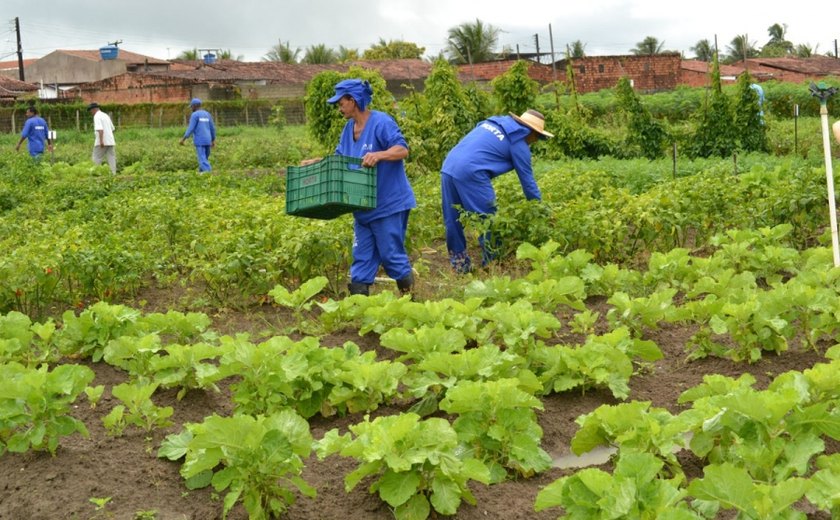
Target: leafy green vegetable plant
x: 497, y: 423
x: 137, y: 410
x: 35, y: 405
x: 416, y: 463
x: 261, y: 459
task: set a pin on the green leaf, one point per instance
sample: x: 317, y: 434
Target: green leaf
x: 417, y: 508
x: 199, y: 480
x: 396, y: 488
x: 446, y: 495
x: 730, y: 485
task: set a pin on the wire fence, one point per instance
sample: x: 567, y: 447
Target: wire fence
x: 147, y: 115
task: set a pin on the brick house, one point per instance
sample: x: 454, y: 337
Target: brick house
x: 695, y: 73
x: 229, y: 79
x: 592, y: 73
x: 63, y: 70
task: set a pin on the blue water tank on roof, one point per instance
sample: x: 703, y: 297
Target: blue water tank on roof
x: 209, y: 58
x: 109, y: 52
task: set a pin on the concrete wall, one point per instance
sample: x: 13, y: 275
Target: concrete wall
x: 66, y: 69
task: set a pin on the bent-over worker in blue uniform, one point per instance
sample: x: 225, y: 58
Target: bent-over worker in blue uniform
x: 203, y: 130
x: 378, y: 233
x: 495, y: 146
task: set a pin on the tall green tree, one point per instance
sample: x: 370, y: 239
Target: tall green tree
x: 188, y: 54
x: 319, y: 54
x: 472, y: 42
x: 648, y: 47
x: 344, y: 54
x: 804, y: 50
x: 644, y: 133
x: 740, y: 48
x: 749, y: 121
x: 714, y: 133
x: 515, y: 89
x: 393, y: 50
x: 577, y: 49
x: 283, y: 53
x: 438, y: 118
x: 703, y: 50
x: 226, y: 54
x: 777, y: 46
x: 325, y: 123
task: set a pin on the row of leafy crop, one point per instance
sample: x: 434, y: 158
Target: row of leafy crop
x: 492, y: 389
x: 69, y: 235
x: 484, y: 359
x: 589, y: 208
x: 764, y: 451
x: 75, y: 237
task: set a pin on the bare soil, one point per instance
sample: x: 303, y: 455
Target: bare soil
x: 126, y: 469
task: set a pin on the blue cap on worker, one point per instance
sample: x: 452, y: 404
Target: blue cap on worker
x: 194, y: 102
x: 358, y: 89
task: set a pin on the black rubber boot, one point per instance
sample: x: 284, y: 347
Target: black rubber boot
x: 406, y: 284
x: 359, y: 288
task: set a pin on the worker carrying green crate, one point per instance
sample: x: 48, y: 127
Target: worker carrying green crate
x: 378, y: 233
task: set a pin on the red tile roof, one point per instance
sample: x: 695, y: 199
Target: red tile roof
x: 9, y: 86
x: 289, y: 73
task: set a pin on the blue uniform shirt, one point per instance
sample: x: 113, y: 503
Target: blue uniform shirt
x: 495, y: 146
x: 201, y: 124
x: 393, y: 191
x: 35, y: 131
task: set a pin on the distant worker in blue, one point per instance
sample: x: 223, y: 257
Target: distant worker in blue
x: 36, y: 130
x: 495, y: 146
x: 378, y: 233
x: 760, y: 93
x: 203, y: 130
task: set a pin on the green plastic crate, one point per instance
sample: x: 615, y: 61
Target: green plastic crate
x: 331, y: 187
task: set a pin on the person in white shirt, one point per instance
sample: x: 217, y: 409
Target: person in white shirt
x: 104, y: 145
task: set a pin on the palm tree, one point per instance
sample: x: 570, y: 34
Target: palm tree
x: 703, y: 50
x: 778, y: 46
x: 648, y: 47
x: 740, y: 48
x: 228, y: 55
x: 472, y: 42
x: 282, y: 53
x: 319, y: 54
x: 344, y: 54
x: 804, y: 50
x: 188, y: 55
x: 576, y: 49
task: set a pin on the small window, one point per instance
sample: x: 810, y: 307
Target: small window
x: 583, y: 69
x: 600, y: 67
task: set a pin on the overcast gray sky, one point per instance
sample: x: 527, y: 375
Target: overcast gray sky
x: 249, y: 28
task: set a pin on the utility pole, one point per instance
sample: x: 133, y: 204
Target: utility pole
x: 553, y: 59
x: 19, y: 49
x: 537, y: 42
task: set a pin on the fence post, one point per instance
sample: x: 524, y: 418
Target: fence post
x: 78, y: 123
x: 13, y: 123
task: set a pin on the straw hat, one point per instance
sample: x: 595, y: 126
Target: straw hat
x: 533, y: 120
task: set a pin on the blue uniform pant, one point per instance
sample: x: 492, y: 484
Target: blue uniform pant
x: 475, y: 195
x: 203, y: 154
x: 381, y: 241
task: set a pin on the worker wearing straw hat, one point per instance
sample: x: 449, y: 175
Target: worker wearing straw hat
x: 495, y: 146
